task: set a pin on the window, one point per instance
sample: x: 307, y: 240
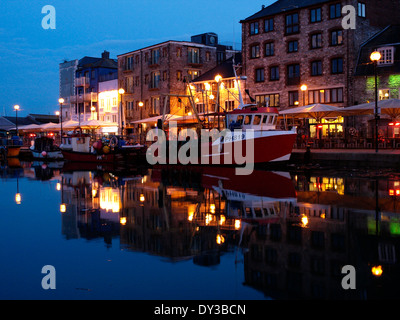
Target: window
x: 292, y: 23
x: 155, y: 56
x: 334, y: 95
x: 255, y: 51
x: 270, y: 100
x: 179, y: 75
x: 269, y: 49
x: 361, y: 9
x: 337, y: 65
x: 315, y: 15
x: 384, y: 94
x: 293, y: 74
x: 316, y: 40
x: 316, y: 68
x: 247, y: 119
x: 386, y: 55
x: 193, y: 55
x: 269, y: 25
x: 193, y: 74
x: 336, y: 37
x: 253, y: 28
x: 229, y: 105
x: 179, y: 52
x: 208, y: 56
x: 155, y: 104
x: 155, y: 80
x: 293, y: 98
x: 335, y: 11
x: 293, y: 46
x: 256, y: 122
x: 260, y: 75
x: 274, y: 73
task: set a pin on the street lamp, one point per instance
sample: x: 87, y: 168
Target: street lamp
x: 121, y: 92
x: 303, y: 88
x: 218, y: 79
x: 16, y: 108
x: 61, y: 101
x: 375, y: 57
x: 141, y: 104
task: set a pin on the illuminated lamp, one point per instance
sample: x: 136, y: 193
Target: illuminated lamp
x: 391, y: 192
x: 377, y: 271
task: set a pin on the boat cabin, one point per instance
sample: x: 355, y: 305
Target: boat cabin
x: 77, y: 141
x: 256, y: 118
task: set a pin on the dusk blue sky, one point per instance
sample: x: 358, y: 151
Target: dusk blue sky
x: 30, y: 55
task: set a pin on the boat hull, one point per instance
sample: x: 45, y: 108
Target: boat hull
x: 265, y: 147
x: 13, y: 151
x: 76, y: 156
x: 50, y: 155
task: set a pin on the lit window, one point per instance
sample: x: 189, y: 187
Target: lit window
x: 386, y: 55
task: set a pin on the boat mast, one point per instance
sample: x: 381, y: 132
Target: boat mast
x: 241, y: 103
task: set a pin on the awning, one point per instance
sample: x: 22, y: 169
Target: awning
x: 168, y: 117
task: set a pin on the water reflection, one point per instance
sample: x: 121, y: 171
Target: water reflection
x: 291, y: 233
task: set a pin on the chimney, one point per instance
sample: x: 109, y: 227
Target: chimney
x: 105, y: 55
x: 262, y: 7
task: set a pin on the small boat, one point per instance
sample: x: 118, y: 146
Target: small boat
x: 9, y: 146
x: 45, y: 149
x: 77, y: 147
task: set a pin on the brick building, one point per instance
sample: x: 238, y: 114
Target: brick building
x: 293, y: 43
x: 150, y: 74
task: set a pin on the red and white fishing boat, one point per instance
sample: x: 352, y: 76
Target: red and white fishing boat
x: 247, y: 129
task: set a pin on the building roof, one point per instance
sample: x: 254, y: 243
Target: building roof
x: 283, y: 6
x: 103, y: 62
x: 389, y: 36
x: 5, y: 124
x: 225, y: 70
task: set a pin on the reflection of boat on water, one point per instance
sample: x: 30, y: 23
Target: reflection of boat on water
x: 44, y: 148
x: 252, y: 198
x: 77, y: 148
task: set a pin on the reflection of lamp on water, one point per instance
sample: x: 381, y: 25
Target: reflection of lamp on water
x: 304, y: 221
x: 220, y: 239
x: 63, y: 208
x: 122, y: 221
x: 141, y: 198
x: 18, y: 195
x: 377, y: 271
x: 212, y: 208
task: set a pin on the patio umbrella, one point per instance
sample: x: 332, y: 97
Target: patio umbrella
x: 30, y: 127
x: 70, y: 124
x: 93, y: 124
x: 48, y: 126
x: 168, y: 117
x: 390, y: 107
x: 316, y: 111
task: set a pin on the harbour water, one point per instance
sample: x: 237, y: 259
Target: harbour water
x: 198, y: 233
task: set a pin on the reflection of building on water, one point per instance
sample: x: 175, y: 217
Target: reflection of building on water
x: 92, y: 204
x: 336, y: 222
x: 296, y: 236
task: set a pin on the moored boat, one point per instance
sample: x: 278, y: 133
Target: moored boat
x: 10, y: 146
x: 45, y: 149
x: 77, y: 147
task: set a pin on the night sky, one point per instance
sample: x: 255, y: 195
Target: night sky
x: 30, y: 55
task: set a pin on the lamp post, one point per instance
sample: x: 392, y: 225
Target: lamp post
x: 218, y: 81
x: 61, y: 101
x: 303, y: 88
x: 121, y: 92
x: 375, y: 57
x: 16, y: 108
x: 140, y: 104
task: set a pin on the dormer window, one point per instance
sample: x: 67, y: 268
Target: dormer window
x: 387, y: 55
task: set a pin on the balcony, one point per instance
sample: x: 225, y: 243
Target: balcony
x: 82, y: 82
x: 85, y: 97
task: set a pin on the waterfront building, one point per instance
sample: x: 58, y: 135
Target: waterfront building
x: 217, y: 86
x: 67, y: 70
x: 109, y: 104
x: 298, y: 53
x: 162, y: 71
x: 387, y: 42
x: 89, y: 73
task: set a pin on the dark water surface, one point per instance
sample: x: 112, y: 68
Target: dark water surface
x: 197, y: 233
